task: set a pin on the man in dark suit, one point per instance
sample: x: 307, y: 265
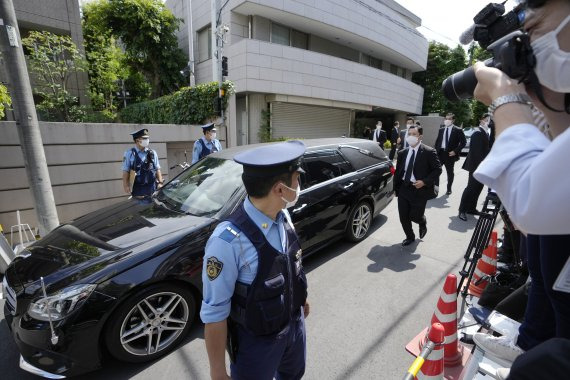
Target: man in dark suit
x: 478, y: 150
x: 379, y: 135
x: 394, y: 139
x: 450, y: 141
x: 402, y: 144
x: 417, y: 173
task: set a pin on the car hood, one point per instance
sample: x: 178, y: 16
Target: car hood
x: 97, y: 240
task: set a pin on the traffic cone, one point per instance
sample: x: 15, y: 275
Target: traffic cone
x: 446, y: 314
x: 486, y: 266
x: 432, y: 368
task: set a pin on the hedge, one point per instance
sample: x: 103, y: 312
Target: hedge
x: 190, y: 105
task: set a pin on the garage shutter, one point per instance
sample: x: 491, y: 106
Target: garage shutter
x: 308, y: 122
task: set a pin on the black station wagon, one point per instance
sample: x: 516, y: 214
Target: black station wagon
x: 126, y: 280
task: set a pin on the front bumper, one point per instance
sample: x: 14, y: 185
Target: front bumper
x: 77, y: 351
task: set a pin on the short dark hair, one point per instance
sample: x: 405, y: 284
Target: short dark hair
x: 410, y: 118
x: 396, y: 123
x: 452, y: 116
x: 484, y: 116
x: 420, y: 129
x: 258, y: 187
x: 418, y: 123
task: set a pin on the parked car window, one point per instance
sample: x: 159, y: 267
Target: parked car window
x: 204, y: 188
x: 362, y: 157
x: 324, y: 165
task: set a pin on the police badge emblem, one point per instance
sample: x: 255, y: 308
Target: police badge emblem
x: 213, y: 268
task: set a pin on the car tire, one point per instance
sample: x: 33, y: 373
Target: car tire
x: 151, y: 323
x: 359, y: 222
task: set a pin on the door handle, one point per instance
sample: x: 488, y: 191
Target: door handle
x: 348, y: 186
x: 298, y: 209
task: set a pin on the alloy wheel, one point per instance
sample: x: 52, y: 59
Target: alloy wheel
x: 154, y: 323
x: 361, y: 221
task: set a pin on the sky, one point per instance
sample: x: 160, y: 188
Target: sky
x: 445, y: 20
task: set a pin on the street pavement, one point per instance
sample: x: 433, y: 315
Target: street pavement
x: 367, y: 301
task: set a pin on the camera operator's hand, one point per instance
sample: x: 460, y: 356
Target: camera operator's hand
x: 493, y: 83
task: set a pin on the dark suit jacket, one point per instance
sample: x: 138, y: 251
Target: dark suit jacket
x: 380, y: 139
x: 456, y: 141
x: 394, y: 135
x: 426, y: 168
x: 478, y: 150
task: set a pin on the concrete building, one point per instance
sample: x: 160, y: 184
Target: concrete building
x: 315, y: 65
x: 61, y: 17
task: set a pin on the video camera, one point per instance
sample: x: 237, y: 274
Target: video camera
x: 500, y: 34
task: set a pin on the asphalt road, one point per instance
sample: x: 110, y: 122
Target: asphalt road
x: 367, y: 301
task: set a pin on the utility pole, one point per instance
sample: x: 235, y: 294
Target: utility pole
x: 26, y: 119
x: 218, y: 33
x: 190, y: 43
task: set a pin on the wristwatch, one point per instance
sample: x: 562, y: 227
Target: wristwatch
x: 509, y: 98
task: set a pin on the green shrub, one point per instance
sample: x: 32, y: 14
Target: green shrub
x: 387, y: 145
x: 190, y: 105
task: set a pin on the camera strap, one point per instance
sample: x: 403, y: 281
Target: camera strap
x: 537, y: 88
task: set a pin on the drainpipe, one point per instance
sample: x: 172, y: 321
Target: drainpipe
x: 190, y: 42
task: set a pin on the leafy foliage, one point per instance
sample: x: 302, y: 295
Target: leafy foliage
x: 4, y: 100
x: 442, y: 62
x: 190, y: 105
x: 146, y: 30
x: 53, y: 60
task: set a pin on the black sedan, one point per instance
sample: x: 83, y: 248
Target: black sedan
x: 126, y: 280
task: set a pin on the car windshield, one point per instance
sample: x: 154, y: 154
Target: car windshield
x: 204, y: 188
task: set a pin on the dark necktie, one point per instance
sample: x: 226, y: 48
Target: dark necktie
x: 410, y: 167
x: 447, y: 138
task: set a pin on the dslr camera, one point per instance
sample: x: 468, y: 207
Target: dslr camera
x: 500, y: 34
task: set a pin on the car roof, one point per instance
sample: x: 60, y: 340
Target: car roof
x: 311, y: 144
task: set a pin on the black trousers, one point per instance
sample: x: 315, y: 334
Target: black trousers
x: 411, y: 207
x: 392, y: 152
x: 547, y: 361
x: 470, y: 194
x: 449, y: 163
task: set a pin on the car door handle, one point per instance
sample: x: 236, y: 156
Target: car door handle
x: 349, y: 185
x: 298, y: 209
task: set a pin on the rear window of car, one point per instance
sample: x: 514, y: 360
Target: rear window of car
x: 321, y: 166
x: 362, y: 157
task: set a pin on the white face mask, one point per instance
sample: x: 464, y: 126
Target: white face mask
x: 412, y: 140
x: 294, y: 201
x: 552, y: 63
x: 447, y: 123
x: 378, y: 126
x: 145, y: 142
x: 484, y: 124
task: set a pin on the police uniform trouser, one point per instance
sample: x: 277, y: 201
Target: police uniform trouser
x: 411, y: 207
x: 280, y: 356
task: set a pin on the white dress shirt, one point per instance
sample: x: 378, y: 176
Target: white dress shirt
x: 376, y: 136
x: 530, y: 175
x: 446, y: 132
x: 412, y: 178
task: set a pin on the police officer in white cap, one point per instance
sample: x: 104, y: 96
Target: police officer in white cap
x: 254, y: 286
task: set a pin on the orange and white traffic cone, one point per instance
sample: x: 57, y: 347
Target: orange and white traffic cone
x: 486, y: 266
x: 432, y: 368
x: 446, y: 314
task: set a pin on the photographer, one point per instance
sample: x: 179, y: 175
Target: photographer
x: 524, y: 167
x: 528, y: 172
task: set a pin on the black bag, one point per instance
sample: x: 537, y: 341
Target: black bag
x: 499, y: 287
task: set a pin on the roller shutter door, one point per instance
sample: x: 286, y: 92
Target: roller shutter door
x: 308, y: 122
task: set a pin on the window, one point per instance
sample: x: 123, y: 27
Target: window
x: 363, y: 157
x: 323, y: 166
x: 280, y: 34
x: 205, y: 44
x: 394, y: 69
x: 376, y: 63
x: 299, y: 39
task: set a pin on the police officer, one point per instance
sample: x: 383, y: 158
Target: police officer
x: 254, y: 286
x: 207, y: 144
x: 146, y: 169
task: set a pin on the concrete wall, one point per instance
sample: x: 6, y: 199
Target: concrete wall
x: 84, y: 162
x: 431, y: 126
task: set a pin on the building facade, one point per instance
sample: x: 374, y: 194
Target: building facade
x: 306, y: 68
x: 61, y: 17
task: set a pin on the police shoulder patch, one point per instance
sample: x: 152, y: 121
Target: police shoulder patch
x: 213, y: 268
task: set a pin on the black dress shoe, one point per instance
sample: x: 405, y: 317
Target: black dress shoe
x: 423, y: 231
x: 462, y: 216
x: 448, y: 192
x: 473, y: 212
x: 408, y: 241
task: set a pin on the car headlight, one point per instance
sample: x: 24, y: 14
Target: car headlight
x: 61, y: 304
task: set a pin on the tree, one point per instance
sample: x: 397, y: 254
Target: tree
x: 442, y: 62
x: 53, y: 60
x: 146, y: 31
x: 4, y: 100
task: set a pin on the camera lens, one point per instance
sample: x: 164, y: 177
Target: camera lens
x: 460, y: 85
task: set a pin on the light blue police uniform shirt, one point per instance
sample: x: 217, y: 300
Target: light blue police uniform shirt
x: 198, y: 148
x: 129, y: 158
x: 239, y: 258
